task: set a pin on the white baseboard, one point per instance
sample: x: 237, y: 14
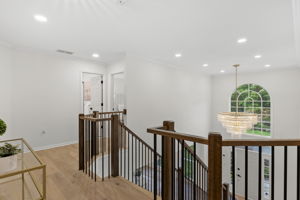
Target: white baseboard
x: 54, y: 145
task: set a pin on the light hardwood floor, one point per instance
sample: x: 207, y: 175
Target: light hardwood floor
x: 65, y: 182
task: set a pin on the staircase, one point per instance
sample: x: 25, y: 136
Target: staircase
x: 170, y: 168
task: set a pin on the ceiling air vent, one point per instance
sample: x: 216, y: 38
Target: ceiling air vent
x: 64, y: 52
x: 122, y: 2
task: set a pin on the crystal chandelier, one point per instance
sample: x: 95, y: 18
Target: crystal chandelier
x: 237, y: 122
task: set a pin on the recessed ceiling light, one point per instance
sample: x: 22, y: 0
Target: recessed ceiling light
x: 257, y: 56
x: 95, y: 55
x: 205, y: 65
x: 267, y: 65
x: 178, y: 55
x: 242, y: 40
x: 222, y: 71
x: 40, y: 18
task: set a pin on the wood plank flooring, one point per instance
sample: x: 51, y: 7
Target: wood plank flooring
x: 65, y: 182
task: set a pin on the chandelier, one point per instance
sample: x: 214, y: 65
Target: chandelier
x: 237, y: 122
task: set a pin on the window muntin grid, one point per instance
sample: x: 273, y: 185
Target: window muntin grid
x: 253, y: 98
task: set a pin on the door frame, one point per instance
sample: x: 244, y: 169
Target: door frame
x: 112, y: 89
x: 82, y: 90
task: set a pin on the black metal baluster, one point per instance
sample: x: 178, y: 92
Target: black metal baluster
x: 121, y: 155
x: 108, y: 146
x: 160, y: 178
x: 155, y: 168
x: 151, y: 167
x: 162, y: 164
x: 173, y: 169
x: 183, y: 170
x: 233, y: 171
x: 189, y: 176
x: 259, y: 172
x: 273, y: 172
x: 198, y: 180
x: 246, y: 172
x: 102, y: 147
x: 128, y: 154
x: 132, y: 158
x: 298, y: 173
x: 197, y: 173
x: 178, y: 162
x: 142, y: 170
x: 139, y: 164
x: 95, y: 153
x: 194, y: 194
x: 89, y: 162
x: 285, y: 172
x: 202, y: 182
x: 85, y: 146
x: 92, y: 150
x: 136, y: 161
x: 145, y: 169
x: 124, y: 151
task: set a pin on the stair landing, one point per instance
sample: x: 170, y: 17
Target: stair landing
x: 65, y: 182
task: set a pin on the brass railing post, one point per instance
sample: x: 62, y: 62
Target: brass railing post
x: 167, y: 162
x: 81, y: 141
x: 115, y: 134
x: 214, y: 166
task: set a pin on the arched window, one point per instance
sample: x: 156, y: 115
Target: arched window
x: 253, y: 98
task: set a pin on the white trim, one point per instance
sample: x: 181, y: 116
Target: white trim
x: 54, y: 145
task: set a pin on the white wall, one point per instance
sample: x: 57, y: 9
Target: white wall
x: 156, y: 93
x: 5, y: 89
x: 46, y: 96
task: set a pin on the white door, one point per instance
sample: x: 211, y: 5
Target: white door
x: 252, y: 172
x: 118, y: 92
x: 92, y: 85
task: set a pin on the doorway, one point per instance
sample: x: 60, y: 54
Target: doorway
x: 118, y: 91
x: 92, y: 92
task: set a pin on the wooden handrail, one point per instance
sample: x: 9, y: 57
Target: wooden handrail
x: 225, y: 142
x: 93, y: 119
x: 114, y: 112
x: 96, y: 116
x: 176, y: 135
x: 264, y: 142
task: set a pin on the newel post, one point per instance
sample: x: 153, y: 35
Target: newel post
x: 114, y: 142
x: 214, y: 166
x: 81, y: 141
x: 167, y: 161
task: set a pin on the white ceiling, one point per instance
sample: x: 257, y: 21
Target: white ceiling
x: 204, y: 31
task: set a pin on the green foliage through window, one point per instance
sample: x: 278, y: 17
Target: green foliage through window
x: 252, y: 98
